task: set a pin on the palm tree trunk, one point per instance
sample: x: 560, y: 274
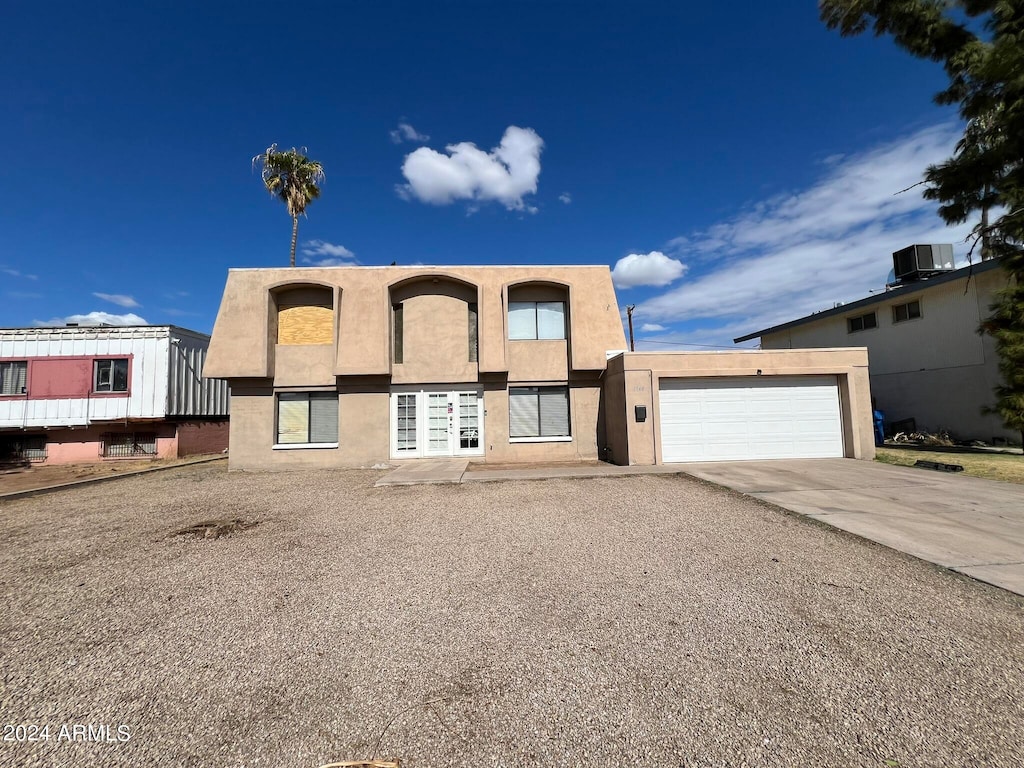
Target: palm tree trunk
x: 295, y: 237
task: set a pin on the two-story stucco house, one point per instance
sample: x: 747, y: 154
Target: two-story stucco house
x: 354, y: 366
x: 358, y: 365
x: 930, y: 366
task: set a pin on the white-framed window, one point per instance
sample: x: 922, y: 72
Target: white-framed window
x: 861, y: 322
x: 307, y: 420
x: 110, y: 375
x: 12, y: 377
x: 538, y: 414
x: 909, y: 311
x: 536, y: 320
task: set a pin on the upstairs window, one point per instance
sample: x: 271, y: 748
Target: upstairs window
x: 110, y: 375
x: 398, y: 332
x: 861, y: 322
x: 909, y: 311
x: 536, y: 320
x: 12, y: 377
x: 474, y: 344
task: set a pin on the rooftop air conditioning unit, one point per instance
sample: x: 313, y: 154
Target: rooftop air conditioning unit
x: 919, y: 262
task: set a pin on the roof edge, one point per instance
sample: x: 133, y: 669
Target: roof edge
x: 905, y: 289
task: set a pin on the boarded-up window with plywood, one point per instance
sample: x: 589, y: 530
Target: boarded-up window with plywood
x: 305, y: 316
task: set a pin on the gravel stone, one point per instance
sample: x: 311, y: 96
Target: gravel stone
x: 634, y: 620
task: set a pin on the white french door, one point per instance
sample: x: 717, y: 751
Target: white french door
x: 427, y: 423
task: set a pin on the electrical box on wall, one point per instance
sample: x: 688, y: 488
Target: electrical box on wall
x: 641, y: 413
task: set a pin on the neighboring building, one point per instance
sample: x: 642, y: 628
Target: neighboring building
x: 83, y: 393
x: 355, y: 366
x: 929, y: 363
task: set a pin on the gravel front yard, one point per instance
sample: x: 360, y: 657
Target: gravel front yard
x: 644, y: 620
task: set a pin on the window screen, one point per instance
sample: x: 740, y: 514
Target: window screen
x: 12, y: 377
x: 307, y: 417
x: 522, y: 320
x: 536, y: 320
x: 538, y: 411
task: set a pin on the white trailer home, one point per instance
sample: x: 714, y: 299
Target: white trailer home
x: 81, y: 393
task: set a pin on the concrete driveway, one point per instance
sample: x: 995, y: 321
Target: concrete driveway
x: 970, y: 525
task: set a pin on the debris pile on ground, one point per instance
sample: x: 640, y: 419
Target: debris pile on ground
x: 924, y: 438
x: 214, y: 529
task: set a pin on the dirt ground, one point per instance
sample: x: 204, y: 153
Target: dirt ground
x: 42, y: 476
x: 622, y: 621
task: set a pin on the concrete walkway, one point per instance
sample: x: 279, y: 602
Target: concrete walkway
x: 426, y: 471
x: 968, y: 524
x: 455, y: 471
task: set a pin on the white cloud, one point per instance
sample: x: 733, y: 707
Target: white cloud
x: 117, y: 298
x: 652, y: 327
x: 798, y: 253
x: 654, y: 268
x: 17, y: 273
x: 565, y: 197
x: 319, y: 253
x: 506, y: 174
x: 405, y: 132
x: 93, y: 318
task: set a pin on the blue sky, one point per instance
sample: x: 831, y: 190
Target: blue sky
x: 735, y: 163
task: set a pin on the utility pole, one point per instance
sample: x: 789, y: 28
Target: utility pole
x: 629, y: 317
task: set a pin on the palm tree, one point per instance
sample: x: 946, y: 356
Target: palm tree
x: 292, y: 177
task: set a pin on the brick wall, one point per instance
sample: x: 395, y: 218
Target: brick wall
x: 195, y: 437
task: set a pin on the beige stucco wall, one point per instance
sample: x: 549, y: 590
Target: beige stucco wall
x: 936, y: 369
x: 634, y: 379
x: 303, y: 365
x: 435, y: 339
x: 538, y: 360
x: 244, y: 334
x: 364, y: 429
x: 363, y: 432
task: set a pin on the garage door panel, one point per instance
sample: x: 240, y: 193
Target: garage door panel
x: 746, y: 418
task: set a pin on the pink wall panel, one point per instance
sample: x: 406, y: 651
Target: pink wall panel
x: 57, y: 377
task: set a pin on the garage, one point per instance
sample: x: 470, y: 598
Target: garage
x: 750, y: 417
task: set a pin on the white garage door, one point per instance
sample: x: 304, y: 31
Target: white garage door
x: 770, y: 417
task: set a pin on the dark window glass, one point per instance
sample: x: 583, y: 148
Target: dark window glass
x: 111, y: 376
x: 473, y: 343
x: 397, y: 345
x: 861, y: 322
